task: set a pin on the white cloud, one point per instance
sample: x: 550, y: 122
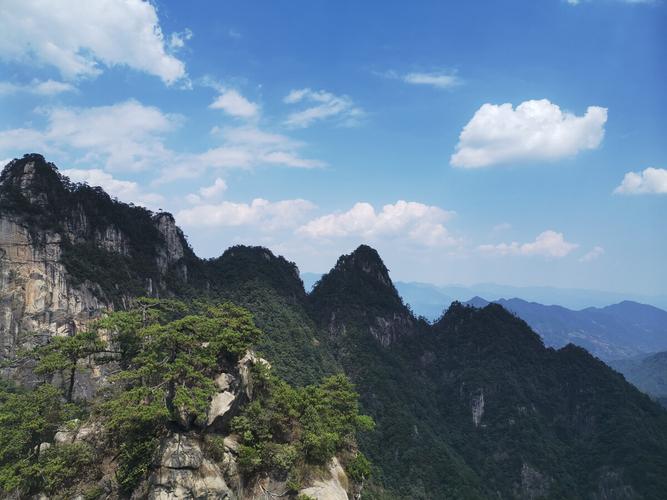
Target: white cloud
x: 242, y: 147
x: 127, y: 191
x: 261, y: 214
x: 127, y: 135
x: 38, y: 87
x: 218, y: 187
x: 234, y: 104
x: 289, y: 160
x: 650, y: 181
x: 78, y: 36
x: 438, y: 80
x: 326, y: 106
x: 132, y: 136
x: 422, y: 224
x: 535, y: 130
x: 595, y: 253
x: 177, y: 40
x: 548, y: 244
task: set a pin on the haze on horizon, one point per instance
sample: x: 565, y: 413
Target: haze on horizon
x: 524, y: 146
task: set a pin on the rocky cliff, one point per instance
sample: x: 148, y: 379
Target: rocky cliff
x: 68, y: 252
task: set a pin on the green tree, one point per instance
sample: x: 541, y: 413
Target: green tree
x: 62, y: 354
x: 27, y: 419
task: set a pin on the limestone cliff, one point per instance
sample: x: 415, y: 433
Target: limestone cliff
x: 62, y: 245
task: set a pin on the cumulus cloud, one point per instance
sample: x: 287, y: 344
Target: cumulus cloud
x: 534, y: 131
x: 594, y: 254
x: 324, y: 105
x: 218, y: 187
x: 422, y: 224
x: 79, y: 36
x: 548, y: 244
x: 234, y: 104
x: 38, y: 87
x: 127, y: 191
x: 650, y: 181
x: 260, y: 213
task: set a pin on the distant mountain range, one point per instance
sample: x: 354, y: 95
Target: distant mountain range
x: 623, y: 330
x: 430, y: 300
x: 648, y: 373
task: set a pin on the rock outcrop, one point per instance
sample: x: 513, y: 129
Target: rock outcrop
x: 182, y: 472
x: 37, y: 297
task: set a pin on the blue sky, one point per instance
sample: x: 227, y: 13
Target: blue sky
x: 518, y: 142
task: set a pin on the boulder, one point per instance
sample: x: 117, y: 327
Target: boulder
x: 184, y: 473
x: 331, y: 488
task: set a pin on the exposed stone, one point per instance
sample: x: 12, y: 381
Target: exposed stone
x: 534, y: 484
x: 331, y: 488
x: 478, y: 407
x: 220, y: 405
x: 184, y: 473
x: 35, y: 293
x: 389, y: 330
x: 244, y: 368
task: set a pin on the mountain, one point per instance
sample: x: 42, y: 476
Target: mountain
x: 471, y: 406
x: 499, y: 411
x: 572, y: 298
x: 612, y: 332
x: 648, y: 373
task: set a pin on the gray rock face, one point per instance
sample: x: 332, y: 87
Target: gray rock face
x: 182, y: 472
x: 37, y: 299
x: 389, y: 330
x: 477, y: 408
x: 333, y: 487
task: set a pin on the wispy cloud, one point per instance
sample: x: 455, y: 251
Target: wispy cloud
x: 437, y: 79
x: 93, y: 136
x: 325, y: 105
x: 550, y: 244
x: 592, y: 255
x: 37, y: 87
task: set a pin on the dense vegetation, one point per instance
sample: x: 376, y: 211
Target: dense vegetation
x: 166, y: 355
x: 287, y: 429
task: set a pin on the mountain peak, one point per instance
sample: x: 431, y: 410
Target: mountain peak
x: 240, y: 264
x: 359, y: 281
x: 365, y: 259
x: 33, y: 180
